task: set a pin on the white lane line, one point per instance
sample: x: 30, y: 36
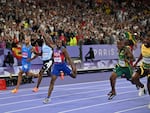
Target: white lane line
x: 73, y: 88
x: 76, y: 100
x: 25, y: 95
x: 45, y: 105
x: 131, y: 109
x: 55, y: 89
x: 76, y: 84
x: 96, y: 105
x: 64, y: 89
x: 85, y: 92
x: 52, y: 97
x: 121, y: 81
x: 57, y: 86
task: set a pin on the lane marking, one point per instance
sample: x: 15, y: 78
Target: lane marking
x: 121, y: 81
x: 55, y: 89
x: 85, y: 92
x: 96, y: 105
x: 131, y: 109
x: 76, y: 100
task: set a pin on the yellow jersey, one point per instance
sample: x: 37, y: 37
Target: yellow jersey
x: 146, y: 56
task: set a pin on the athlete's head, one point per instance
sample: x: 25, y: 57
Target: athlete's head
x: 59, y: 43
x: 121, y: 43
x: 27, y: 40
x: 147, y: 40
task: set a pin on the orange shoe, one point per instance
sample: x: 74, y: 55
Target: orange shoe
x: 61, y: 75
x: 14, y: 91
x: 35, y: 89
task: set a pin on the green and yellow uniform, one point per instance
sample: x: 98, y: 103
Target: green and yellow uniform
x: 145, y: 65
x: 123, y: 67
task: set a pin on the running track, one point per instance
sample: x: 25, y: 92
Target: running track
x: 86, y: 94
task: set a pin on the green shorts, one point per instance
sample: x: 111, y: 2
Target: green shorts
x: 123, y: 71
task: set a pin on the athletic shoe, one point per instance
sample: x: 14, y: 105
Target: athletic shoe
x: 35, y: 89
x: 46, y: 100
x: 109, y: 93
x: 14, y: 90
x: 142, y: 91
x: 111, y: 96
x: 61, y: 75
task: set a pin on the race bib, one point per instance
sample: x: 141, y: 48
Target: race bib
x: 146, y: 60
x: 25, y: 55
x: 25, y: 66
x: 57, y: 59
x: 122, y: 63
x: 45, y: 54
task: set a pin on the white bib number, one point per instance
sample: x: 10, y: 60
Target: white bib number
x: 146, y: 60
x: 25, y: 66
x: 122, y: 63
x: 45, y: 56
x: 57, y: 59
x: 25, y: 55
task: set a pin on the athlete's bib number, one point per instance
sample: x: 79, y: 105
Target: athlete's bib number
x: 146, y: 60
x: 57, y: 59
x: 25, y: 66
x: 25, y: 55
x: 122, y: 63
x: 45, y: 56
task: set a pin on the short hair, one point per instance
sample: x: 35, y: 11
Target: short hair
x: 28, y: 37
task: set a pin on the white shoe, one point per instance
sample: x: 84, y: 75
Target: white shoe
x: 46, y: 100
x: 142, y: 91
